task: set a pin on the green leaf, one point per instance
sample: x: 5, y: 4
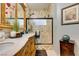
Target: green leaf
x: 16, y: 26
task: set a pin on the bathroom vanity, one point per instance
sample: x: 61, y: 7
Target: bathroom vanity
x: 23, y: 46
x: 28, y: 49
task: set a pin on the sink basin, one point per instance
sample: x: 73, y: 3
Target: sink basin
x: 6, y: 46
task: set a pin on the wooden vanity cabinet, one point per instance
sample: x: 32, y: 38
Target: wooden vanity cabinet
x: 29, y: 48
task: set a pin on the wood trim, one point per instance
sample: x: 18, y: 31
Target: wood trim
x: 16, y: 11
x: 3, y: 20
x: 3, y: 13
x: 24, y: 12
x: 24, y: 19
x: 23, y: 6
x: 2, y: 26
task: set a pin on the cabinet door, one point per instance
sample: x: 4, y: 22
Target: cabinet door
x: 28, y: 49
x: 20, y: 53
x: 32, y: 46
x: 66, y: 49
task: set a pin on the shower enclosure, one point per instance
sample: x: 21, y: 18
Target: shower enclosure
x: 43, y: 28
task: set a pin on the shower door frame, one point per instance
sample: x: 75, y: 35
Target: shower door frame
x: 52, y: 30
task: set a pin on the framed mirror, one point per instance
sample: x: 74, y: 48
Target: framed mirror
x: 11, y: 12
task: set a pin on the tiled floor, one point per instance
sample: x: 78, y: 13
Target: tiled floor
x: 49, y: 49
x: 51, y: 53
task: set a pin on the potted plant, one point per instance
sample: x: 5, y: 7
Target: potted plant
x: 16, y: 26
x: 15, y: 32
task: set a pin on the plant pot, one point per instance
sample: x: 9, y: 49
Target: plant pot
x: 13, y: 34
x: 18, y: 34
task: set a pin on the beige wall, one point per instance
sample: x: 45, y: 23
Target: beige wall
x: 40, y: 12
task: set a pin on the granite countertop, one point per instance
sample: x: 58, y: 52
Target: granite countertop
x: 18, y: 43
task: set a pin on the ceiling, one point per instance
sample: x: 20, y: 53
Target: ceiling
x: 38, y: 5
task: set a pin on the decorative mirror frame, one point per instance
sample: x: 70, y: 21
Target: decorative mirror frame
x: 3, y: 21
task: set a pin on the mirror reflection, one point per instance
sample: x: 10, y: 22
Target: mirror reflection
x: 20, y: 22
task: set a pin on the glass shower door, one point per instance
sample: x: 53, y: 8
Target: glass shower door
x: 44, y: 28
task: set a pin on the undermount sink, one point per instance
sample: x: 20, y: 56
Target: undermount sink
x: 6, y: 46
